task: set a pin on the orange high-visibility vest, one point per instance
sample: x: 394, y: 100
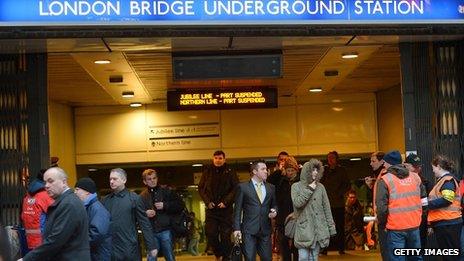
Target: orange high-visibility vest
x: 404, y: 202
x: 382, y: 172
x: 452, y: 211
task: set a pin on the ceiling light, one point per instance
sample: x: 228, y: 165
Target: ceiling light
x: 337, y: 109
x: 331, y: 73
x: 351, y: 55
x: 315, y: 90
x: 127, y: 94
x: 92, y: 169
x: 197, y: 165
x: 136, y: 104
x: 336, y: 100
x: 102, y: 61
x: 355, y: 159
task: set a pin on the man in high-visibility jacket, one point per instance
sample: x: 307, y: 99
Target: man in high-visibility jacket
x: 399, y: 206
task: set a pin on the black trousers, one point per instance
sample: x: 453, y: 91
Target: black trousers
x: 218, y: 228
x: 260, y: 244
x: 286, y: 251
x: 449, y: 236
x: 338, y: 215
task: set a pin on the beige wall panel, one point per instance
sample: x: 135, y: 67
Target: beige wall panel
x: 260, y: 152
x: 61, y: 129
x: 342, y: 148
x: 179, y: 155
x: 124, y: 130
x: 390, y: 116
x: 259, y: 128
x: 106, y: 158
x: 320, y: 98
x: 158, y: 116
x: 345, y: 127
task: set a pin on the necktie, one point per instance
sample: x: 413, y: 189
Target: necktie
x: 259, y: 191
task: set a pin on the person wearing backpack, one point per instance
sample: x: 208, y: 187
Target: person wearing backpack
x: 160, y: 203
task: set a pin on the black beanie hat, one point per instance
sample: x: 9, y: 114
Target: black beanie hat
x: 86, y: 184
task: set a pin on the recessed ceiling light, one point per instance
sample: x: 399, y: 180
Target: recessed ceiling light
x: 102, y: 61
x: 197, y: 165
x: 136, y: 104
x: 355, y: 159
x: 92, y: 169
x: 128, y: 94
x: 337, y: 109
x: 315, y: 90
x: 351, y: 55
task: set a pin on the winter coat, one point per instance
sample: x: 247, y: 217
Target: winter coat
x: 34, y: 212
x: 314, y: 222
x: 66, y: 235
x: 172, y: 204
x: 99, y: 229
x: 127, y: 214
x: 283, y: 190
x: 337, y: 183
x: 218, y: 184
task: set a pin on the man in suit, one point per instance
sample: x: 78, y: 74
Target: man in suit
x: 255, y: 205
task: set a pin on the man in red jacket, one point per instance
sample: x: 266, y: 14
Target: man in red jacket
x: 34, y: 210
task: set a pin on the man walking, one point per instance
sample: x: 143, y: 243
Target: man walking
x: 255, y: 205
x: 66, y: 230
x: 399, y: 206
x: 217, y: 189
x: 127, y: 210
x: 99, y: 220
x: 159, y: 203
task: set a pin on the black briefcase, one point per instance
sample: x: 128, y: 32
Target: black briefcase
x: 236, y: 253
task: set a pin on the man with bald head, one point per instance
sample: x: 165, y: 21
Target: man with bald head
x: 66, y: 229
x: 127, y: 211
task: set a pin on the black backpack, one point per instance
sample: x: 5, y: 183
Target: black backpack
x: 181, y: 223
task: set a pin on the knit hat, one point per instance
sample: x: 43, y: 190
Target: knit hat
x: 290, y: 162
x: 413, y: 159
x: 392, y: 157
x: 86, y: 184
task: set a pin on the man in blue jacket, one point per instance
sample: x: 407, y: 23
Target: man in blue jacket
x: 99, y: 220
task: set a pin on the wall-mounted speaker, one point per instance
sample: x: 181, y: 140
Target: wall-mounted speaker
x: 227, y: 66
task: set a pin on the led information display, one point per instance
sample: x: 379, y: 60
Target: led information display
x: 219, y: 12
x: 222, y: 99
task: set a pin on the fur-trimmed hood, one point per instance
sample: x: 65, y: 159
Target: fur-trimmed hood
x: 399, y: 170
x: 308, y: 169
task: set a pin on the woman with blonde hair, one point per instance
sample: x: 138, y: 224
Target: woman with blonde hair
x: 314, y: 222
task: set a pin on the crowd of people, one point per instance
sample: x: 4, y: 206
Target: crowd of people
x: 305, y: 208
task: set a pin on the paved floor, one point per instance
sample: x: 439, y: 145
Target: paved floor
x: 349, y: 256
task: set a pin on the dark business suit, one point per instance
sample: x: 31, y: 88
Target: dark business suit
x: 255, y: 223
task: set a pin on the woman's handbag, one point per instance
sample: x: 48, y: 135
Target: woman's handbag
x: 290, y: 226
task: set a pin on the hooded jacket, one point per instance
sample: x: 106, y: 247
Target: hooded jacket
x: 382, y: 194
x: 34, y: 210
x: 314, y: 222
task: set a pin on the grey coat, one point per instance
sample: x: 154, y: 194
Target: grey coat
x: 66, y: 235
x: 314, y: 219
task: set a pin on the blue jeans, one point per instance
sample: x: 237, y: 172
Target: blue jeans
x: 309, y: 254
x: 403, y: 239
x: 164, y: 245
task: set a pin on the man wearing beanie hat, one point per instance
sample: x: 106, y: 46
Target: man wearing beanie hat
x: 399, y: 195
x: 99, y: 220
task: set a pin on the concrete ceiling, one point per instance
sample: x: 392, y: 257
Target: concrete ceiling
x: 146, y: 65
